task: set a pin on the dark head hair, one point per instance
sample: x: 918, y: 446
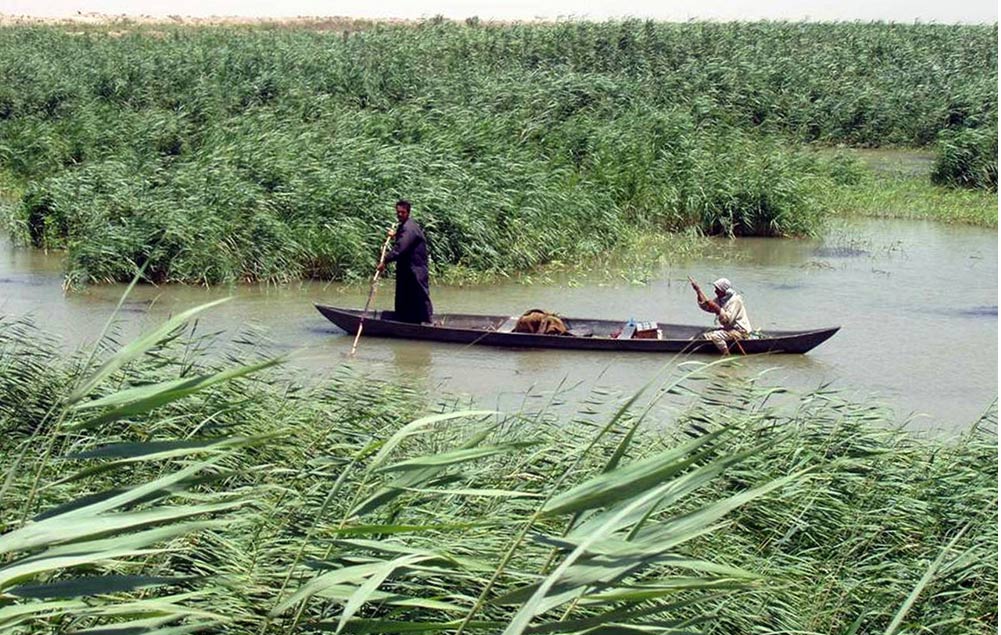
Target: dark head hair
x: 404, y: 203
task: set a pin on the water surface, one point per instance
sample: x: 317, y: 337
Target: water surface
x: 917, y: 303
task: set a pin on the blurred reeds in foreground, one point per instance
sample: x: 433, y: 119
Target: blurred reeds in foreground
x: 150, y: 488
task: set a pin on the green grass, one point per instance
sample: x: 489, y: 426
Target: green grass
x: 199, y: 495
x: 907, y: 196
x: 11, y: 191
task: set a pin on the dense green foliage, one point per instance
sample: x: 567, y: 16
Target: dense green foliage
x: 190, y: 497
x: 968, y: 158
x: 265, y: 154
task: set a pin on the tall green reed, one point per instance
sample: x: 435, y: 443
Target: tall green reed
x: 207, y: 499
x: 217, y: 155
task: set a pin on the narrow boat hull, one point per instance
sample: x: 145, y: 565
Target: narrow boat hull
x: 492, y: 330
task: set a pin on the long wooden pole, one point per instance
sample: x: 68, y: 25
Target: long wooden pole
x: 371, y: 292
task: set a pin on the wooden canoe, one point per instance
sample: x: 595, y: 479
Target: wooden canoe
x: 495, y: 330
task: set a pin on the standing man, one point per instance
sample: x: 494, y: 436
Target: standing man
x: 413, y: 297
x: 730, y: 313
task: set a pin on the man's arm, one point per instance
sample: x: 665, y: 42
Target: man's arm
x: 710, y: 306
x: 705, y: 303
x: 405, y: 240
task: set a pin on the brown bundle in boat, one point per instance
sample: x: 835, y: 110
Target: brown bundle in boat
x: 541, y: 322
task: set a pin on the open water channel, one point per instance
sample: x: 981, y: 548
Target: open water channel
x: 917, y: 303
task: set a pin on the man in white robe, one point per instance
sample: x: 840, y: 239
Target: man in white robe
x: 730, y: 314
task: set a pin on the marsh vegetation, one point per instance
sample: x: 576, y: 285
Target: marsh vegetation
x: 155, y: 486
x: 239, y: 153
x: 149, y: 488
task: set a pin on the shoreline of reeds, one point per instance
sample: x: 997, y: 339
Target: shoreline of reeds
x: 875, y: 194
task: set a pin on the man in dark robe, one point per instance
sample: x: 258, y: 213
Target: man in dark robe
x: 410, y: 253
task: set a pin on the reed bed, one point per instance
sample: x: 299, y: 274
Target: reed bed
x: 152, y: 487
x: 967, y: 158
x: 237, y: 153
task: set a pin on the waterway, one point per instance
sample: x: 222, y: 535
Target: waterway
x: 917, y: 303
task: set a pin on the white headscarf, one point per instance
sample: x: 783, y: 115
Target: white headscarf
x: 724, y: 285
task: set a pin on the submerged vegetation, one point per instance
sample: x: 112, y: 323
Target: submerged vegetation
x: 150, y: 489
x: 220, y: 154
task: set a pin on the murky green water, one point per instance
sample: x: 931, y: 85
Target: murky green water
x: 894, y: 161
x: 917, y: 303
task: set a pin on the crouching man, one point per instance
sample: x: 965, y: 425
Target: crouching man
x: 730, y: 315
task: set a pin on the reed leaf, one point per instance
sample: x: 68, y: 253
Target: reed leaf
x: 136, y: 348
